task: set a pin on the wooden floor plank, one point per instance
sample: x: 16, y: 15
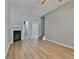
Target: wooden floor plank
x: 38, y: 49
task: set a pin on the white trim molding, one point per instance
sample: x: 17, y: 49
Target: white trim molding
x: 44, y: 38
x: 61, y: 44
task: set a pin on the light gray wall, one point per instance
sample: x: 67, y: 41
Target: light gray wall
x: 7, y: 25
x: 59, y: 25
x: 36, y: 28
x: 16, y: 18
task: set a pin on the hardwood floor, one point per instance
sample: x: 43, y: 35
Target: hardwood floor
x: 33, y: 49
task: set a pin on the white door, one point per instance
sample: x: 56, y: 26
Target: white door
x: 34, y: 30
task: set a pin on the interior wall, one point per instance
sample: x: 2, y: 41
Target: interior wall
x: 35, y: 31
x: 59, y: 25
x: 17, y: 19
x: 35, y: 28
x: 43, y: 26
x: 7, y: 25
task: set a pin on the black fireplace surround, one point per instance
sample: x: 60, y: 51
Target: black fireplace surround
x: 16, y: 35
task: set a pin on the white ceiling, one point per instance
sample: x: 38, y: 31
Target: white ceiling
x: 34, y: 7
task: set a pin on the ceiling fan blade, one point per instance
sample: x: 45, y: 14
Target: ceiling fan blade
x: 43, y: 1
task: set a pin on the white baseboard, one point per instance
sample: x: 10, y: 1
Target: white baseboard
x: 11, y: 42
x: 61, y: 44
x: 44, y: 38
x: 6, y: 52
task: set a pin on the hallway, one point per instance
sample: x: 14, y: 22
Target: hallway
x: 38, y: 49
x: 46, y: 29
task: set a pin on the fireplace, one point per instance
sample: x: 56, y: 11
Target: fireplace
x: 16, y: 35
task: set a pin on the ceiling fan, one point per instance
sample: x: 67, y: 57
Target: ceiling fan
x: 43, y: 1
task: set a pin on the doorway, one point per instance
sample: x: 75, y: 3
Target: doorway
x: 26, y: 30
